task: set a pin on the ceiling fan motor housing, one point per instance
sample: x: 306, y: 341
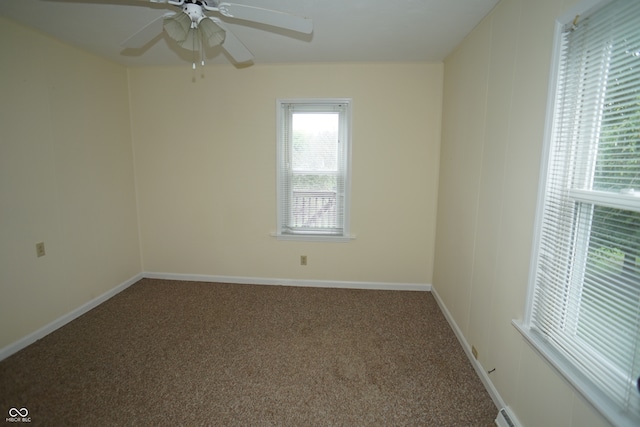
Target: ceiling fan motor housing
x: 194, y: 11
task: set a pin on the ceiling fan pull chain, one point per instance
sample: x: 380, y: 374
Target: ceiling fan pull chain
x: 195, y: 40
x: 201, y: 47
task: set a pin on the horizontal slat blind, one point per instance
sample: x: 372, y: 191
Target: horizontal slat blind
x: 587, y: 288
x: 313, y: 168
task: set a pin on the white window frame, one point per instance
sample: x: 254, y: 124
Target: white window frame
x: 282, y: 174
x: 621, y: 201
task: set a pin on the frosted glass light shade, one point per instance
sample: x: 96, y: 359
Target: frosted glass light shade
x: 178, y: 26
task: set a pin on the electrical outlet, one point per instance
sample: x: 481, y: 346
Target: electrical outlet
x: 475, y: 352
x: 303, y: 260
x: 40, y: 249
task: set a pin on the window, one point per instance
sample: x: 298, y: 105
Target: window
x: 313, y: 168
x: 583, y: 309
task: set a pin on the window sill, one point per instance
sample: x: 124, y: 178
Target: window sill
x: 313, y: 238
x: 580, y: 383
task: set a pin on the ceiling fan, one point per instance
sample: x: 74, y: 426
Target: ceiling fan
x: 193, y: 29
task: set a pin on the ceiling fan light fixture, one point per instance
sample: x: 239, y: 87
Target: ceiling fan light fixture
x: 192, y: 29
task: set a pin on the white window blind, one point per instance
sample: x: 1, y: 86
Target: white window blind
x: 585, y: 299
x: 313, y: 167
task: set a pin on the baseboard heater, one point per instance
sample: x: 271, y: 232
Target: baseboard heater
x: 506, y: 419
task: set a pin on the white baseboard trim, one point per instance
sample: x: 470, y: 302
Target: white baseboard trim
x: 291, y: 282
x: 484, y: 377
x: 63, y: 320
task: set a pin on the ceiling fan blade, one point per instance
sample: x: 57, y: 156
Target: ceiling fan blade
x: 233, y: 45
x: 267, y: 16
x: 146, y: 33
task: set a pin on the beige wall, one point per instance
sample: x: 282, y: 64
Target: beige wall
x: 66, y: 178
x: 205, y: 152
x: 495, y: 94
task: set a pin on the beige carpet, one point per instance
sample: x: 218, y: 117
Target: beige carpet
x: 184, y: 353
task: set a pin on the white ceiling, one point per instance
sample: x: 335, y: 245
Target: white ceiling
x: 344, y: 30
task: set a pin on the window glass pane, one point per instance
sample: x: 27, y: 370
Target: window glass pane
x: 611, y: 289
x: 314, y: 202
x: 315, y: 141
x: 618, y: 161
x: 318, y: 183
